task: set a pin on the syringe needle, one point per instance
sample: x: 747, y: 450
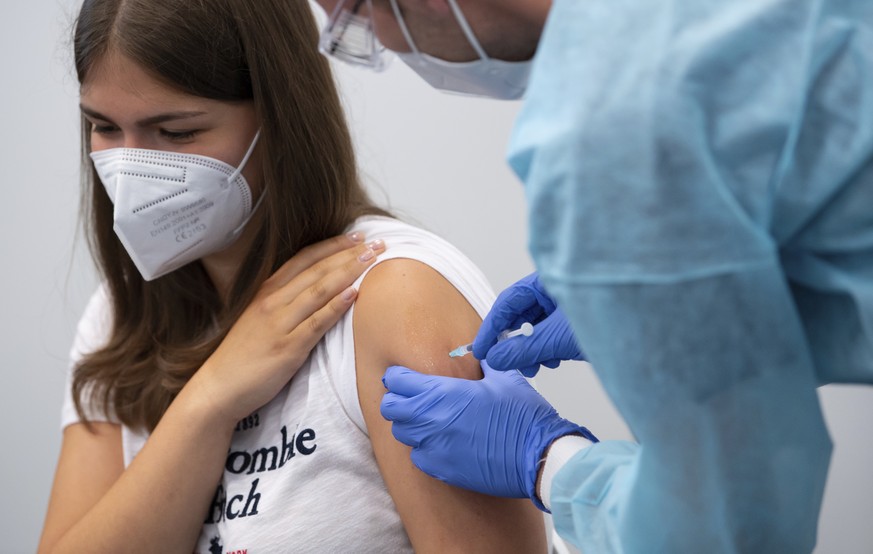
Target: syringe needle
x: 461, y: 351
x: 526, y: 329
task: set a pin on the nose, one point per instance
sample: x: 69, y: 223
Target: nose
x: 135, y: 140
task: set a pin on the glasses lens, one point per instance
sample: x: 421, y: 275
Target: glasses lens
x: 349, y: 36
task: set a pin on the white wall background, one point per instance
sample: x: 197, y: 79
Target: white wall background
x: 435, y: 159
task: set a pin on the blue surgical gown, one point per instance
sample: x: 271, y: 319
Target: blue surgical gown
x: 700, y: 186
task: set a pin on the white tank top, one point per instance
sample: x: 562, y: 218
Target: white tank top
x: 300, y: 475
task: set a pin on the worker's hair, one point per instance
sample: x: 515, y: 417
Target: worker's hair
x: 262, y: 51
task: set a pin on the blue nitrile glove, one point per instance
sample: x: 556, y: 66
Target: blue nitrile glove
x: 487, y: 435
x: 552, y: 341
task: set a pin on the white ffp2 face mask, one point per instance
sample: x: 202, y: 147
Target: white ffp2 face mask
x: 483, y: 77
x: 172, y: 209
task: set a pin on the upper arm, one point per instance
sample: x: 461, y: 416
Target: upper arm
x: 408, y: 314
x: 90, y: 462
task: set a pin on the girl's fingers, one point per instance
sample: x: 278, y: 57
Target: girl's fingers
x: 318, y: 294
x: 332, y: 274
x: 307, y: 334
x: 309, y: 256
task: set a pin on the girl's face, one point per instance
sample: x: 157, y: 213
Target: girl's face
x: 128, y: 107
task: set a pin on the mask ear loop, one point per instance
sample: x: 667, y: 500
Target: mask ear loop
x: 245, y: 160
x: 403, y: 28
x: 459, y: 17
x: 236, y: 174
x: 468, y: 31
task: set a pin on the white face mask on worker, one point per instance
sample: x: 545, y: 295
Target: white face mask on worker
x: 483, y: 77
x: 172, y: 209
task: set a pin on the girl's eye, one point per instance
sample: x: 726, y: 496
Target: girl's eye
x: 178, y: 135
x: 103, y: 129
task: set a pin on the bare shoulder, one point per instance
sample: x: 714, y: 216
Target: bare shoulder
x: 407, y: 313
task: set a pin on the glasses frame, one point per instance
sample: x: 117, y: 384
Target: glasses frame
x: 350, y: 37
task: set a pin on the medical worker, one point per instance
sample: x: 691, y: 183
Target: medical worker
x: 700, y: 186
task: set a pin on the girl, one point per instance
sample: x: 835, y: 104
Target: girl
x: 223, y: 395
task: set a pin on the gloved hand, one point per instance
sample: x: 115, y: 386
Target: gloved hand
x: 552, y: 341
x: 487, y: 435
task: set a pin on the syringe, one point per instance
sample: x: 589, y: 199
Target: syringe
x: 526, y: 329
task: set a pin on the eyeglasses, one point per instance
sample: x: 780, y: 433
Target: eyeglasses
x: 349, y: 36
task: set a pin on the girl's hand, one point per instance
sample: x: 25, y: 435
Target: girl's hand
x: 291, y: 312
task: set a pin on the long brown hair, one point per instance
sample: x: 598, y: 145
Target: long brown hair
x: 262, y: 51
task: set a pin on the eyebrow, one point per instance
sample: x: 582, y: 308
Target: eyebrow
x: 153, y: 120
